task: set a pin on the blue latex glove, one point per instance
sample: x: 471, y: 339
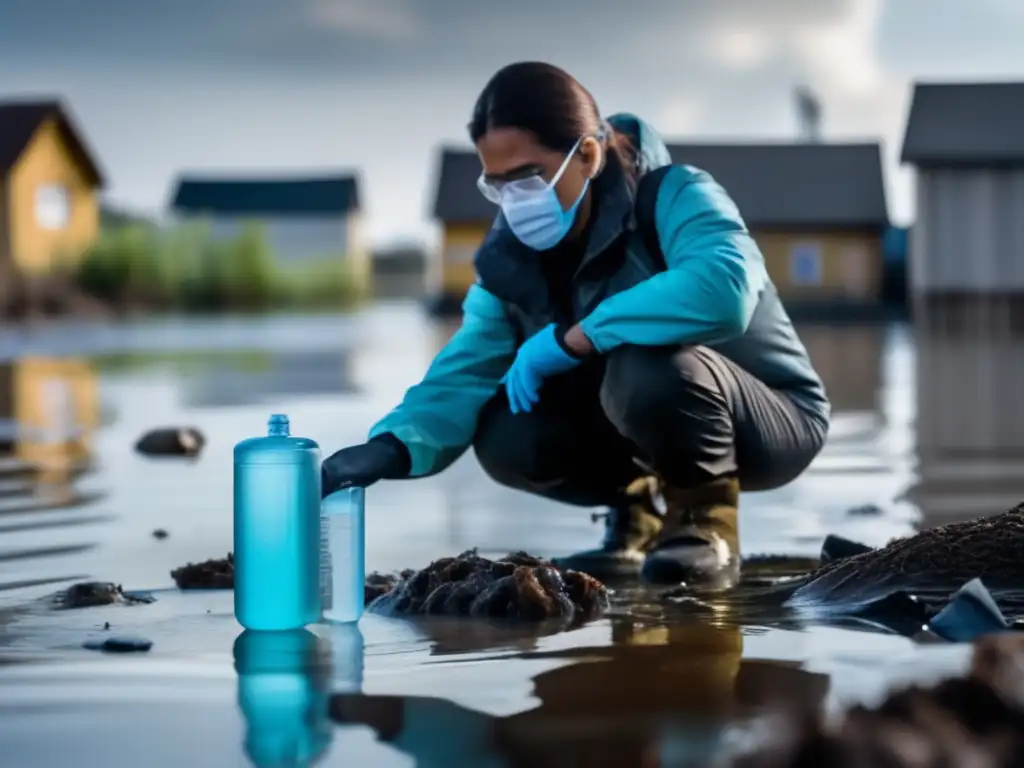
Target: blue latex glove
x: 540, y: 356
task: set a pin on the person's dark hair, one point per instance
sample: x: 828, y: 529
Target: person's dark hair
x: 549, y: 103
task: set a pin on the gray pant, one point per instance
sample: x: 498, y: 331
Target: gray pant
x: 689, y: 413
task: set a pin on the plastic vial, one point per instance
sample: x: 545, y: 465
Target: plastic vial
x: 342, y: 555
x: 277, y: 504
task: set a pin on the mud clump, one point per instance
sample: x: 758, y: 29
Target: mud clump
x: 977, y: 719
x: 518, y: 586
x: 217, y: 573
x: 89, y: 594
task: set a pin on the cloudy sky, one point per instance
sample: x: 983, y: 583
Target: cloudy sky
x: 248, y: 85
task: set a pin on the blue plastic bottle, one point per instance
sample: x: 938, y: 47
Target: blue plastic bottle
x: 342, y: 555
x: 277, y: 512
x: 284, y: 686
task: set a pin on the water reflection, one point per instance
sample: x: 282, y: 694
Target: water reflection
x: 849, y: 360
x: 49, y: 409
x: 970, y: 432
x: 267, y: 376
x: 654, y: 689
x: 284, y: 682
x: 283, y: 688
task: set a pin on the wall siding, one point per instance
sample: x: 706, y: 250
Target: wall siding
x: 969, y: 233
x: 459, y: 244
x: 851, y: 265
x: 47, y: 160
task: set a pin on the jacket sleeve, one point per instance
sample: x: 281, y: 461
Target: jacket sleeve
x: 437, y: 418
x: 714, y: 278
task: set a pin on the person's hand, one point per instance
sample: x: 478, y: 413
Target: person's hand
x: 384, y: 457
x: 540, y: 356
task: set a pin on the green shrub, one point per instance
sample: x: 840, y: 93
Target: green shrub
x: 184, y: 268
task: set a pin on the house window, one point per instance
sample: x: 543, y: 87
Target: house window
x: 52, y: 206
x: 805, y: 264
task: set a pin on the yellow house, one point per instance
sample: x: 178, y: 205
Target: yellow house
x: 49, y: 180
x: 817, y: 211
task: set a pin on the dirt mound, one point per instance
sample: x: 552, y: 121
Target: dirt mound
x: 977, y: 719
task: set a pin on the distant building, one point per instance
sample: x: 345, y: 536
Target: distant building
x: 49, y: 184
x: 305, y: 219
x: 465, y: 217
x: 818, y: 212
x: 966, y: 142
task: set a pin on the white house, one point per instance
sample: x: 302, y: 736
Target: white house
x: 305, y: 218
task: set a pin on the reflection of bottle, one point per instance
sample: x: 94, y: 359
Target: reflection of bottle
x: 283, y: 691
x: 277, y: 506
x: 342, y: 549
x: 346, y: 658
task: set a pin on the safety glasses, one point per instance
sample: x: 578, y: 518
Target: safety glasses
x: 494, y: 190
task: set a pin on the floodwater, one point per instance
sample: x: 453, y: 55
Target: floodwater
x: 633, y: 689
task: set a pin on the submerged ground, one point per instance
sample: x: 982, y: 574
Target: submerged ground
x: 638, y: 687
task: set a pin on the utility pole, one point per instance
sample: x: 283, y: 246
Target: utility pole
x: 809, y: 114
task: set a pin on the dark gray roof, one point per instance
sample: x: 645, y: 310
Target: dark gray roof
x: 774, y: 185
x: 796, y: 185
x: 266, y: 196
x: 458, y: 200
x: 19, y: 121
x: 965, y: 124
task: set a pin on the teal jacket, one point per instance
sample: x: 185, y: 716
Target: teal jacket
x: 715, y: 291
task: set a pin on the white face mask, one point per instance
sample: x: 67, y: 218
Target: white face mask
x: 532, y: 208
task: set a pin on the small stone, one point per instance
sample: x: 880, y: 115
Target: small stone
x: 160, y: 533
x: 119, y: 645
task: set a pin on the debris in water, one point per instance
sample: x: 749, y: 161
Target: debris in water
x: 160, y: 533
x: 977, y: 719
x: 865, y: 510
x: 184, y: 441
x: 88, y: 594
x: 517, y: 586
x: 119, y: 644
x: 106, y: 625
x: 218, y: 573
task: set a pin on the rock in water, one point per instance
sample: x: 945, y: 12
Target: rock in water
x: 119, y: 644
x: 88, y: 594
x: 178, y: 441
x: 517, y: 586
x: 218, y: 573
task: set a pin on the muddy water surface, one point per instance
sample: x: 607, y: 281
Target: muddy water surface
x: 643, y: 686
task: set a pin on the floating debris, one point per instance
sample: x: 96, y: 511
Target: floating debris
x: 517, y: 586
x: 119, y: 644
x: 177, y: 441
x: 218, y: 573
x: 88, y: 594
x: 160, y: 534
x: 865, y: 510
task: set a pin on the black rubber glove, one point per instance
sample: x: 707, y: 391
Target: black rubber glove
x: 385, y: 457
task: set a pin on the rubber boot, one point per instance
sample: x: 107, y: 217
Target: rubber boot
x: 699, y: 542
x: 629, y: 533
